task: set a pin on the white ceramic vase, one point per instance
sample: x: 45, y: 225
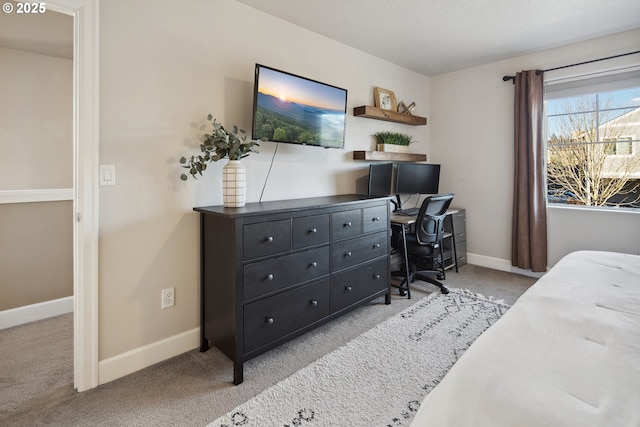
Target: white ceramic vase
x: 234, y: 184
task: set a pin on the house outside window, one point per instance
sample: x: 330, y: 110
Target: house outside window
x: 592, y: 131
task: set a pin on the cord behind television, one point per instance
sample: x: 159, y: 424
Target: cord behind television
x: 269, y: 172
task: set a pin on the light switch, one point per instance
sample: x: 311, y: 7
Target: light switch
x: 107, y: 174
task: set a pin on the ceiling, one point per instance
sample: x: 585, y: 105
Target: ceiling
x: 428, y: 36
x: 433, y: 37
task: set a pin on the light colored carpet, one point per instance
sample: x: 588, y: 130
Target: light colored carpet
x: 194, y: 388
x: 36, y: 365
x: 380, y: 377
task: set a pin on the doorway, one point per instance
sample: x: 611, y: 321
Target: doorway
x: 36, y: 166
x: 36, y: 206
x: 85, y: 190
x: 85, y: 184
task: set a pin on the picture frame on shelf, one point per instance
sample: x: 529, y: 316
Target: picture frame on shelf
x: 384, y: 99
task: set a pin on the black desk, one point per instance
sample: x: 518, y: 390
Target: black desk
x: 404, y: 222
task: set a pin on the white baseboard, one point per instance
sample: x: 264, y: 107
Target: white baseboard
x: 142, y: 357
x: 31, y: 313
x: 499, y: 264
x: 150, y: 354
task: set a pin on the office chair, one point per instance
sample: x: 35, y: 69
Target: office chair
x: 424, y: 244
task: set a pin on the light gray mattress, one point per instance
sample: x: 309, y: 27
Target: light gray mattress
x: 566, y: 354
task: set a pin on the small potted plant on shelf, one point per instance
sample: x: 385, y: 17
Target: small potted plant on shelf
x: 220, y: 144
x: 394, y: 142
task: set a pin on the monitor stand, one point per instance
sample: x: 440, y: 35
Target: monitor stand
x: 397, y: 203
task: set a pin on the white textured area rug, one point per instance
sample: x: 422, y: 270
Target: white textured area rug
x: 380, y: 377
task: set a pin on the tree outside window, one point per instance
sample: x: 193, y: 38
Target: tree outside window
x: 593, y: 149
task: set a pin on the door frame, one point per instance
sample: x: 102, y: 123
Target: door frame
x: 85, y: 187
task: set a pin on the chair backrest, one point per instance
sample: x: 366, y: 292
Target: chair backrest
x: 430, y: 220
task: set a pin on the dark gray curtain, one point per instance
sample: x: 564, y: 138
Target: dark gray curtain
x: 529, y: 235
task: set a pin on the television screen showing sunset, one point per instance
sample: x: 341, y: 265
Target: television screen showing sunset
x: 289, y: 108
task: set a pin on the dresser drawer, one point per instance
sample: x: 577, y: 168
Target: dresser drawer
x: 271, y: 318
x: 270, y: 275
x: 310, y: 231
x: 375, y: 218
x: 350, y: 286
x: 351, y: 252
x: 266, y: 238
x: 346, y: 224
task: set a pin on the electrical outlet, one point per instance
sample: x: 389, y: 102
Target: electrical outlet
x: 168, y: 297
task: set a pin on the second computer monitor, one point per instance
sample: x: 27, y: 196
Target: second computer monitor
x: 380, y: 176
x: 417, y: 178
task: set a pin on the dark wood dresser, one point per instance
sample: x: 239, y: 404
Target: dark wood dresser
x: 274, y: 270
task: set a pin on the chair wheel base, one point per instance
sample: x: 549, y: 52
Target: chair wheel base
x: 403, y: 289
x: 433, y: 281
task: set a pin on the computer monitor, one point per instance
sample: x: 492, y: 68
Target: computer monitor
x: 380, y: 175
x: 417, y: 178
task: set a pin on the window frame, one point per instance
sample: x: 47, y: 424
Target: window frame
x: 598, y: 86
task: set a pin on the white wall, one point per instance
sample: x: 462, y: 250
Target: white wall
x: 163, y: 67
x: 472, y: 136
x: 36, y: 153
x: 35, y: 121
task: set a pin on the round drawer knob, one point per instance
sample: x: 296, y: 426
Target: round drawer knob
x: 347, y: 254
x: 270, y: 276
x: 314, y: 264
x: 376, y: 246
x: 376, y: 219
x: 269, y: 239
x: 348, y: 288
x: 270, y: 320
x: 313, y: 231
x: 376, y: 276
x: 314, y: 302
x: 348, y: 224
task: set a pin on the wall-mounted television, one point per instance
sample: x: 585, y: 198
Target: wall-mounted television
x: 293, y: 109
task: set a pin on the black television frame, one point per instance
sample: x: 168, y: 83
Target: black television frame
x: 309, y: 117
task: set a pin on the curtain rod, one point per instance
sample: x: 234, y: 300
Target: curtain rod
x: 507, y: 78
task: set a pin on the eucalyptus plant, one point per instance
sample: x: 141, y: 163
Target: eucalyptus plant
x: 220, y: 144
x: 394, y: 138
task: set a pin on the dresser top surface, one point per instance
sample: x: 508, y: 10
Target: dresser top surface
x: 286, y: 205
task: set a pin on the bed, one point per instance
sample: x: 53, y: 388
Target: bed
x: 566, y: 354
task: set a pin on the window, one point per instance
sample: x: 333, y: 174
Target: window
x: 593, y: 146
x: 622, y: 146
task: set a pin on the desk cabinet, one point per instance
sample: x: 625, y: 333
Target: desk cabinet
x: 272, y: 271
x: 456, y: 225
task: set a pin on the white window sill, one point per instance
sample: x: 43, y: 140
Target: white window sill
x: 563, y: 206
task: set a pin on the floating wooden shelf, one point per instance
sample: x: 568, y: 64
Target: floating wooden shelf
x: 387, y: 156
x: 388, y: 115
